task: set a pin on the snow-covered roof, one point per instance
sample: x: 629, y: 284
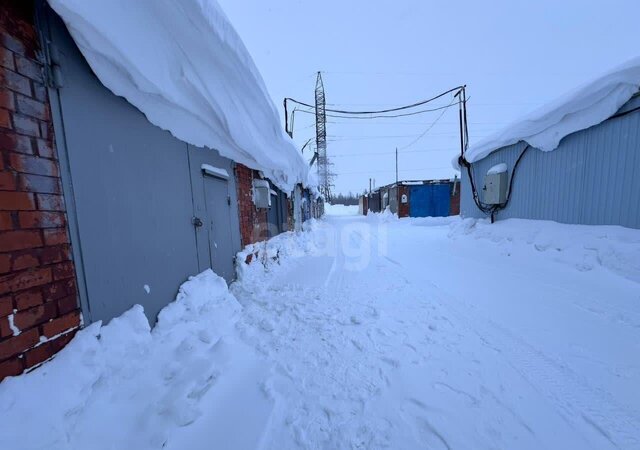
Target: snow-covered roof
x: 498, y: 168
x: 183, y: 65
x: 215, y: 171
x: 577, y: 110
x: 421, y: 182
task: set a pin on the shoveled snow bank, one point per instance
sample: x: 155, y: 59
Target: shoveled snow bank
x: 268, y: 253
x: 582, y: 108
x: 124, y: 385
x: 183, y: 65
x: 584, y: 247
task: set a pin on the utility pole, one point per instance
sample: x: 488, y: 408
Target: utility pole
x: 286, y: 119
x: 370, y: 186
x: 462, y: 112
x: 396, y: 165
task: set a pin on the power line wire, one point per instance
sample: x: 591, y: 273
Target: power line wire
x: 373, y: 138
x: 433, y: 124
x: 340, y: 155
x: 376, y: 136
x: 374, y: 116
x: 381, y: 111
x: 374, y: 122
x: 393, y: 170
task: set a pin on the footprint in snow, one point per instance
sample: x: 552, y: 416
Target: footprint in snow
x: 391, y: 361
x: 267, y: 326
x: 203, y: 386
x: 444, y: 387
x: 584, y: 267
x: 412, y: 347
x: 417, y: 412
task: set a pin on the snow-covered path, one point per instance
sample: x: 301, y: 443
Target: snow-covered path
x: 413, y: 334
x: 364, y: 332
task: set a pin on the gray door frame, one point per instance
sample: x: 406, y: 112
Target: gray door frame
x: 43, y: 17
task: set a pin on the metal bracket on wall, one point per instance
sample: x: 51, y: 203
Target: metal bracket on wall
x: 56, y: 59
x: 50, y: 54
x: 52, y: 60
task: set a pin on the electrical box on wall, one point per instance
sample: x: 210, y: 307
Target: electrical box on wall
x: 261, y: 194
x: 495, y: 185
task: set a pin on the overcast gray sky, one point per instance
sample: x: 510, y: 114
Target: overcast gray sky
x: 513, y: 56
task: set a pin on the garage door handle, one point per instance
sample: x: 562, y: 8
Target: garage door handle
x: 197, y: 222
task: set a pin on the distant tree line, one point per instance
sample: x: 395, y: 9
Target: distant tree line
x: 345, y: 199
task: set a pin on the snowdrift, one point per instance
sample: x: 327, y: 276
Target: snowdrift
x: 183, y: 65
x: 585, y: 247
x: 582, y: 108
x: 255, y: 260
x: 125, y: 385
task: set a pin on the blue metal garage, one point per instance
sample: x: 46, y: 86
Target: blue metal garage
x: 423, y: 198
x: 430, y: 200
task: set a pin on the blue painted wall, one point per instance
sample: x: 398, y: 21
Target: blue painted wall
x: 593, y: 177
x: 429, y: 200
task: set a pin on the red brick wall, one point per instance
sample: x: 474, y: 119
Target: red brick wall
x: 253, y: 221
x: 403, y: 208
x: 455, y: 199
x: 37, y: 277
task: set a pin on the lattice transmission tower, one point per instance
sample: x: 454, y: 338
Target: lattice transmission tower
x: 325, y: 175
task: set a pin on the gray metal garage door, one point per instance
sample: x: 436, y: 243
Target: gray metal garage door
x: 132, y: 192
x: 216, y: 191
x: 215, y: 203
x: 277, y: 214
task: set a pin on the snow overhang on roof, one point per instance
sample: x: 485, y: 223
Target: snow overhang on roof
x: 183, y: 65
x: 582, y: 108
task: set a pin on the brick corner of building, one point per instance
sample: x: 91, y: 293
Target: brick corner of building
x: 39, y: 310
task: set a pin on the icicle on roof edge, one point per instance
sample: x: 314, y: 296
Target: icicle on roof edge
x: 183, y: 65
x: 581, y: 108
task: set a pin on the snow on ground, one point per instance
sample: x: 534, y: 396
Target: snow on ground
x: 366, y: 332
x: 341, y: 210
x: 441, y: 333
